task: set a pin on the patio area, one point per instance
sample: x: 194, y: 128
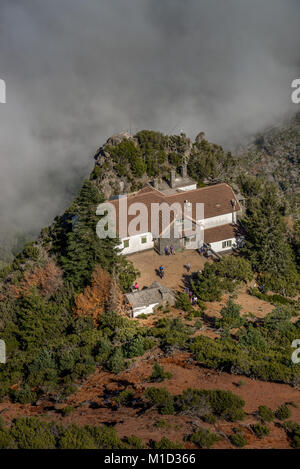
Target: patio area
x: 148, y: 262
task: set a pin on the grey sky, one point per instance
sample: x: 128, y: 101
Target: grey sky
x: 78, y: 71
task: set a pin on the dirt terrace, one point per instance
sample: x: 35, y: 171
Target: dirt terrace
x: 147, y: 262
x: 175, y: 267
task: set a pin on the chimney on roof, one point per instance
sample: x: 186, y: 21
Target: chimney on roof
x: 173, y: 178
x: 187, y: 205
x: 155, y: 183
x: 234, y: 217
x: 184, y: 170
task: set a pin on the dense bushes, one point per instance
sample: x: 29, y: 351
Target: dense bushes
x: 238, y: 439
x: 152, y: 145
x: 161, y: 399
x: 221, y: 276
x: 211, y: 162
x: 165, y: 443
x: 283, y: 412
x: 265, y: 413
x: 260, y: 430
x: 33, y: 433
x: 183, y: 302
x: 44, y: 362
x: 171, y: 332
x: 293, y: 431
x: 159, y: 374
x: 201, y: 403
x: 223, y: 404
x: 127, y: 156
x: 263, y: 353
x: 273, y: 299
x: 204, y: 438
x: 230, y: 316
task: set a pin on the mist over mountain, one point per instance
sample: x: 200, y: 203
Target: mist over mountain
x: 77, y: 72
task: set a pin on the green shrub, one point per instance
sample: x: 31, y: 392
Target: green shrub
x: 283, y: 412
x: 125, y: 397
x: 204, y: 438
x: 159, y: 374
x: 24, y: 395
x: 223, y: 404
x: 105, y: 437
x: 221, y: 276
x: 292, y: 404
x: 238, y: 439
x: 134, y: 442
x: 198, y: 324
x: 252, y: 337
x: 68, y: 410
x: 183, y: 302
x: 75, y: 437
x: 293, y: 431
x: 6, y: 440
x: 265, y: 413
x: 116, y: 362
x: 162, y: 424
x: 227, y: 405
x: 134, y: 347
x: 164, y: 443
x: 32, y: 433
x: 209, y: 418
x: 230, y: 316
x: 260, y: 430
x: 162, y: 399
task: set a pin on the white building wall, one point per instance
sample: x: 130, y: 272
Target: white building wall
x: 136, y: 245
x: 217, y: 246
x: 187, y: 188
x: 225, y: 219
x: 143, y: 310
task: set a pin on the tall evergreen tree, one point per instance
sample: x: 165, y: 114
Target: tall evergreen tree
x: 266, y: 244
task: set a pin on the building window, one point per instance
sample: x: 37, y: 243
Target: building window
x: 144, y: 239
x: 126, y: 243
x: 226, y: 244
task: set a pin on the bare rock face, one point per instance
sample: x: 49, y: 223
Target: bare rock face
x: 200, y: 137
x: 118, y: 138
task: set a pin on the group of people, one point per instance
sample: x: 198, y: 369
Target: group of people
x: 193, y: 298
x: 161, y: 272
x: 170, y: 250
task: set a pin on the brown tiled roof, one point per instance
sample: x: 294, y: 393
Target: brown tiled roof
x: 220, y: 233
x: 217, y: 200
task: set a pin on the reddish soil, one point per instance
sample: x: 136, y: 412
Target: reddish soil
x: 147, y: 262
x: 249, y: 304
x: 175, y: 270
x: 92, y: 402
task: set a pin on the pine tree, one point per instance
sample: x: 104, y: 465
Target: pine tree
x: 266, y: 245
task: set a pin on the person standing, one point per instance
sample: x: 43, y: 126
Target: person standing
x: 188, y: 267
x: 172, y: 250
